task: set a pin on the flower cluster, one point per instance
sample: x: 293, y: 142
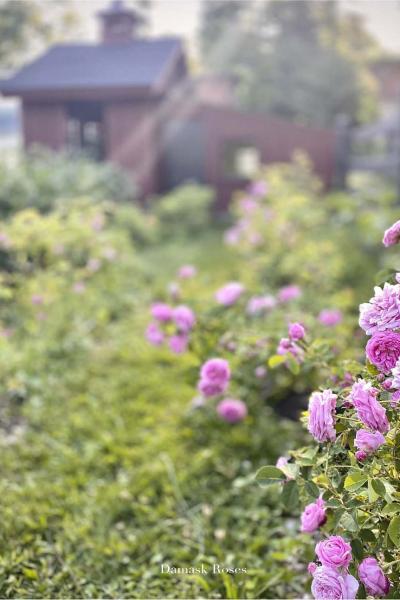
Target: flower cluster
x: 214, y: 377
x: 351, y: 478
x: 214, y: 380
x: 230, y: 293
x: 289, y: 345
x: 171, y: 325
x: 331, y: 578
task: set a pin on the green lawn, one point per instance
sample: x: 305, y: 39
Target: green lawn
x: 110, y: 473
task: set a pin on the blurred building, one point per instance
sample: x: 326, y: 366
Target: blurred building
x: 130, y: 100
x: 387, y: 72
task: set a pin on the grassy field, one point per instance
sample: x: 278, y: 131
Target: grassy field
x: 110, y: 473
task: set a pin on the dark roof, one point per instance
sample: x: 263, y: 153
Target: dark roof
x: 140, y: 63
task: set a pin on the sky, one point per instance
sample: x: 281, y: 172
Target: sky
x: 182, y: 16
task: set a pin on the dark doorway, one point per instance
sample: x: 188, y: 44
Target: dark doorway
x: 85, y: 131
x: 183, y: 153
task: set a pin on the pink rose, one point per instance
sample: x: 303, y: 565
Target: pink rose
x: 330, y: 317
x: 312, y: 567
x: 161, y: 312
x: 329, y: 584
x: 334, y: 552
x: 321, y: 416
x: 37, y: 299
x: 232, y: 236
x: 313, y: 516
x: 287, y: 346
x: 368, y: 442
x: 260, y: 372
x: 373, y: 578
x: 392, y: 235
x: 229, y: 293
x: 216, y: 369
x: 232, y: 410
x: 382, y: 312
x: 395, y: 399
x: 289, y: 292
x: 387, y: 384
x: 214, y: 377
x: 184, y: 318
x: 260, y: 304
x: 369, y: 410
x: 178, y: 343
x: 361, y: 455
x: 258, y: 188
x: 247, y: 204
x: 383, y: 350
x: 210, y: 388
x: 187, y: 272
x: 154, y: 335
x: 396, y: 376
x: 296, y: 331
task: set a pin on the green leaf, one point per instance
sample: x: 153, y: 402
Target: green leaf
x: 394, y: 530
x: 312, y: 489
x: 336, y: 517
x: 372, y: 369
x: 293, y: 365
x: 276, y: 360
x: 291, y: 470
x: 354, y: 481
x: 383, y: 275
x: 391, y: 508
x: 372, y: 495
x: 30, y: 573
x: 358, y: 549
x: 332, y: 503
x: 348, y: 522
x: 268, y: 475
x: 378, y: 487
x: 290, y: 495
x: 306, y: 456
x: 367, y: 535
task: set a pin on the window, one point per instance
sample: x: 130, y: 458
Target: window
x: 84, y: 129
x: 241, y: 159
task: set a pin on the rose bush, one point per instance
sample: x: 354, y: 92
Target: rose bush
x: 292, y: 271
x: 349, y: 482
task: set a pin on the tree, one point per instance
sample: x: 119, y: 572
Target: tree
x: 299, y: 59
x: 28, y: 25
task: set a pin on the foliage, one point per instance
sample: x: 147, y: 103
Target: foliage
x: 27, y: 26
x: 109, y: 468
x: 359, y: 487
x: 262, y: 45
x: 185, y: 210
x: 42, y: 179
x: 103, y: 480
x: 287, y: 237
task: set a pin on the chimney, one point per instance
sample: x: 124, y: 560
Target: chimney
x: 118, y: 23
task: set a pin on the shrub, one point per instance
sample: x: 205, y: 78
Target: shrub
x: 42, y: 180
x: 349, y: 482
x: 185, y: 210
x: 300, y: 259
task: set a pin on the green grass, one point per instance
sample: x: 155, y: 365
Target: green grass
x: 111, y: 473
